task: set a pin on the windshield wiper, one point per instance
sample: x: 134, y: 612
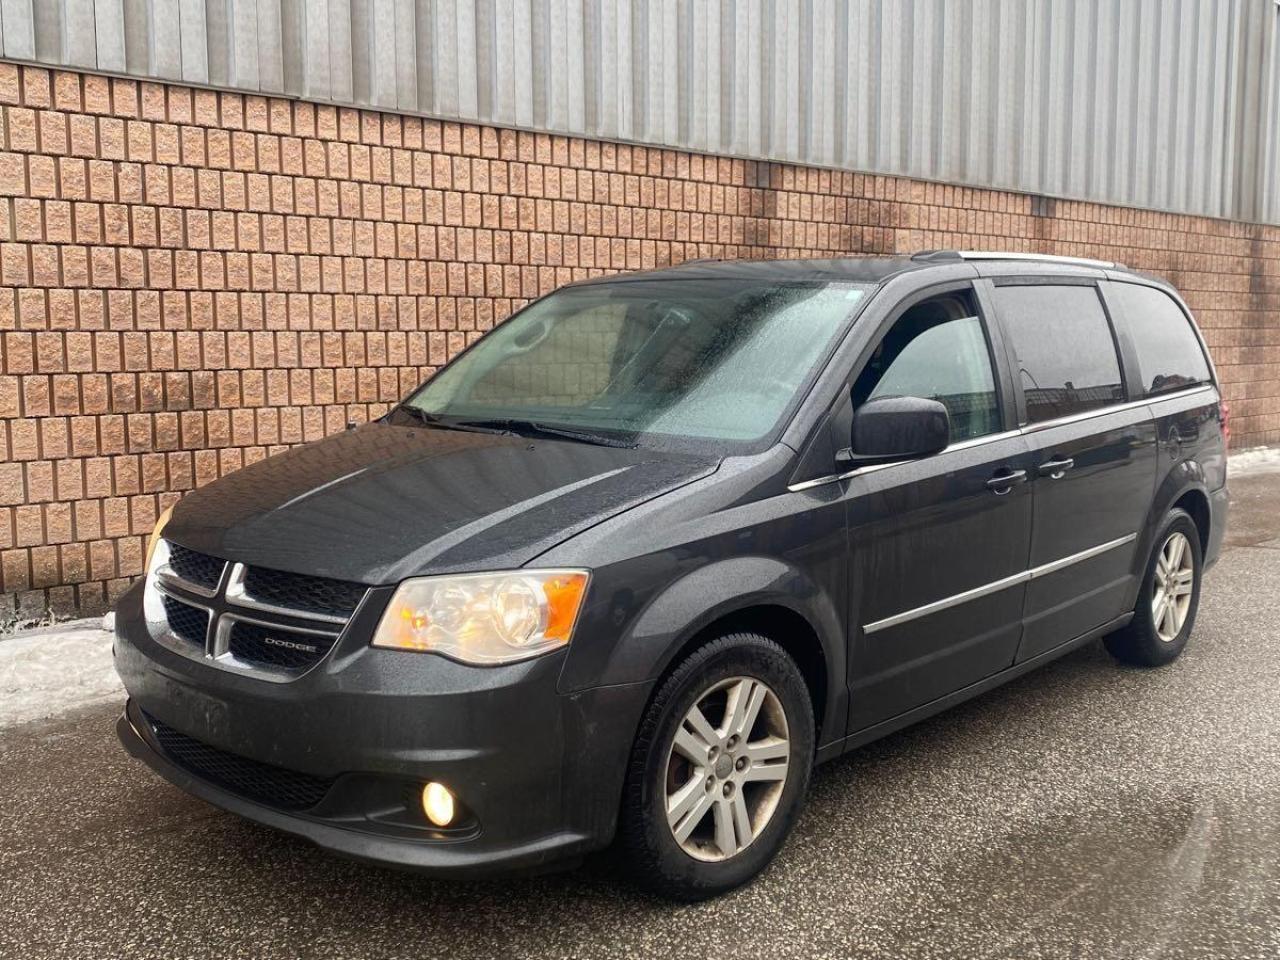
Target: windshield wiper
x: 585, y: 436
x: 508, y: 425
x: 524, y: 427
x: 446, y: 423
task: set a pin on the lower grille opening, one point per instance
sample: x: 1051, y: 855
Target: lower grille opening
x: 277, y: 647
x: 185, y: 621
x: 262, y: 782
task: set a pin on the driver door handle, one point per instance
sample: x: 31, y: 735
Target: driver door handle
x: 1055, y: 469
x: 1004, y: 481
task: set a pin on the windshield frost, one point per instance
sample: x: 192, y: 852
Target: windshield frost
x: 715, y: 359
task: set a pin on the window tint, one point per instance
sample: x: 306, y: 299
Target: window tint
x: 1066, y: 356
x: 1169, y: 353
x: 937, y: 350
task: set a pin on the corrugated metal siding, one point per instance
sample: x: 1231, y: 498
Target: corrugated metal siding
x: 1169, y: 104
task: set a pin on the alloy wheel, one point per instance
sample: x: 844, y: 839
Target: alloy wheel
x: 1174, y: 579
x: 727, y: 768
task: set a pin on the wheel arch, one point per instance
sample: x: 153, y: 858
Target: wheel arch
x: 1196, y: 502
x: 784, y: 626
x: 758, y: 594
x: 1183, y: 486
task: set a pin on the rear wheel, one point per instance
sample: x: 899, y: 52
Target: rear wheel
x: 719, y: 768
x: 1167, y: 602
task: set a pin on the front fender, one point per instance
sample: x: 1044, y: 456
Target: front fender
x: 646, y: 647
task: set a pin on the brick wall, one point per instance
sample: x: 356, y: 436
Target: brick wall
x: 192, y: 280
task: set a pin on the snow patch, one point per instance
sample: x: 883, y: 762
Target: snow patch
x: 1257, y: 460
x: 46, y: 672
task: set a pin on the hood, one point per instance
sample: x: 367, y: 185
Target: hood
x: 381, y: 502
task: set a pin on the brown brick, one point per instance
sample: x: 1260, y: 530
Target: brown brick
x: 9, y: 83
x: 124, y: 98
x: 88, y: 519
x: 15, y: 264
x: 53, y: 131
x: 44, y: 567
x: 74, y: 560
x: 102, y: 559
x: 177, y: 257
x: 29, y: 525
x: 14, y: 564
x: 57, y: 521
x: 11, y: 484
x: 23, y: 135
x: 57, y: 215
x: 67, y: 90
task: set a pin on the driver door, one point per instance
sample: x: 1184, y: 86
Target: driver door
x: 938, y: 546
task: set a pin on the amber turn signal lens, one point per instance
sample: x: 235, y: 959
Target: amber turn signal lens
x: 564, y: 597
x: 161, y: 522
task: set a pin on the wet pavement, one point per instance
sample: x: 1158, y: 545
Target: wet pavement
x: 1086, y: 810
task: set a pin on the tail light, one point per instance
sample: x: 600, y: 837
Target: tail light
x: 1224, y: 417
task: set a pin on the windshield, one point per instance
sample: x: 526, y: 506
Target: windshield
x: 709, y: 359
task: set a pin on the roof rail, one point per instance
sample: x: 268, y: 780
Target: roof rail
x: 932, y: 255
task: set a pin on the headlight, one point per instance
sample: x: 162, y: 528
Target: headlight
x: 485, y: 617
x: 161, y: 521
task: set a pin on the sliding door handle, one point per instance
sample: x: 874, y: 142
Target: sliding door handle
x: 1056, y: 469
x: 1005, y: 481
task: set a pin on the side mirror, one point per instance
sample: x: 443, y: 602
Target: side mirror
x: 897, y: 428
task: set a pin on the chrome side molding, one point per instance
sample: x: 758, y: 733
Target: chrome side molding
x: 1055, y: 565
x: 947, y: 602
x: 996, y: 586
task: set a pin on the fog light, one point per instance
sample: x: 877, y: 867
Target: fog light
x: 437, y: 804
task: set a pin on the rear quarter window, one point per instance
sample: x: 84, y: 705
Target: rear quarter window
x: 1169, y: 353
x: 1065, y: 356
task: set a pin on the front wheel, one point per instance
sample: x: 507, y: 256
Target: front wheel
x: 719, y: 769
x: 1168, y: 599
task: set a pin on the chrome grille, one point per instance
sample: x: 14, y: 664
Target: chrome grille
x: 267, y: 622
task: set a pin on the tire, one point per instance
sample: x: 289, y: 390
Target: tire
x: 738, y: 780
x: 1149, y: 641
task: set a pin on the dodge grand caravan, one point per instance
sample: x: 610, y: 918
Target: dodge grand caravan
x: 626, y: 568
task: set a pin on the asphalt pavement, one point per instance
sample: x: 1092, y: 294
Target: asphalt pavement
x: 1085, y: 811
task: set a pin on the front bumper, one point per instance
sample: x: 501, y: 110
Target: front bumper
x: 539, y: 773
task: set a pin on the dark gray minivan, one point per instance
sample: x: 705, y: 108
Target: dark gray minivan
x: 636, y: 560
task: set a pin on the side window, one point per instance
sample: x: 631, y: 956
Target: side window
x: 1169, y: 353
x: 938, y: 350
x: 1065, y: 354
